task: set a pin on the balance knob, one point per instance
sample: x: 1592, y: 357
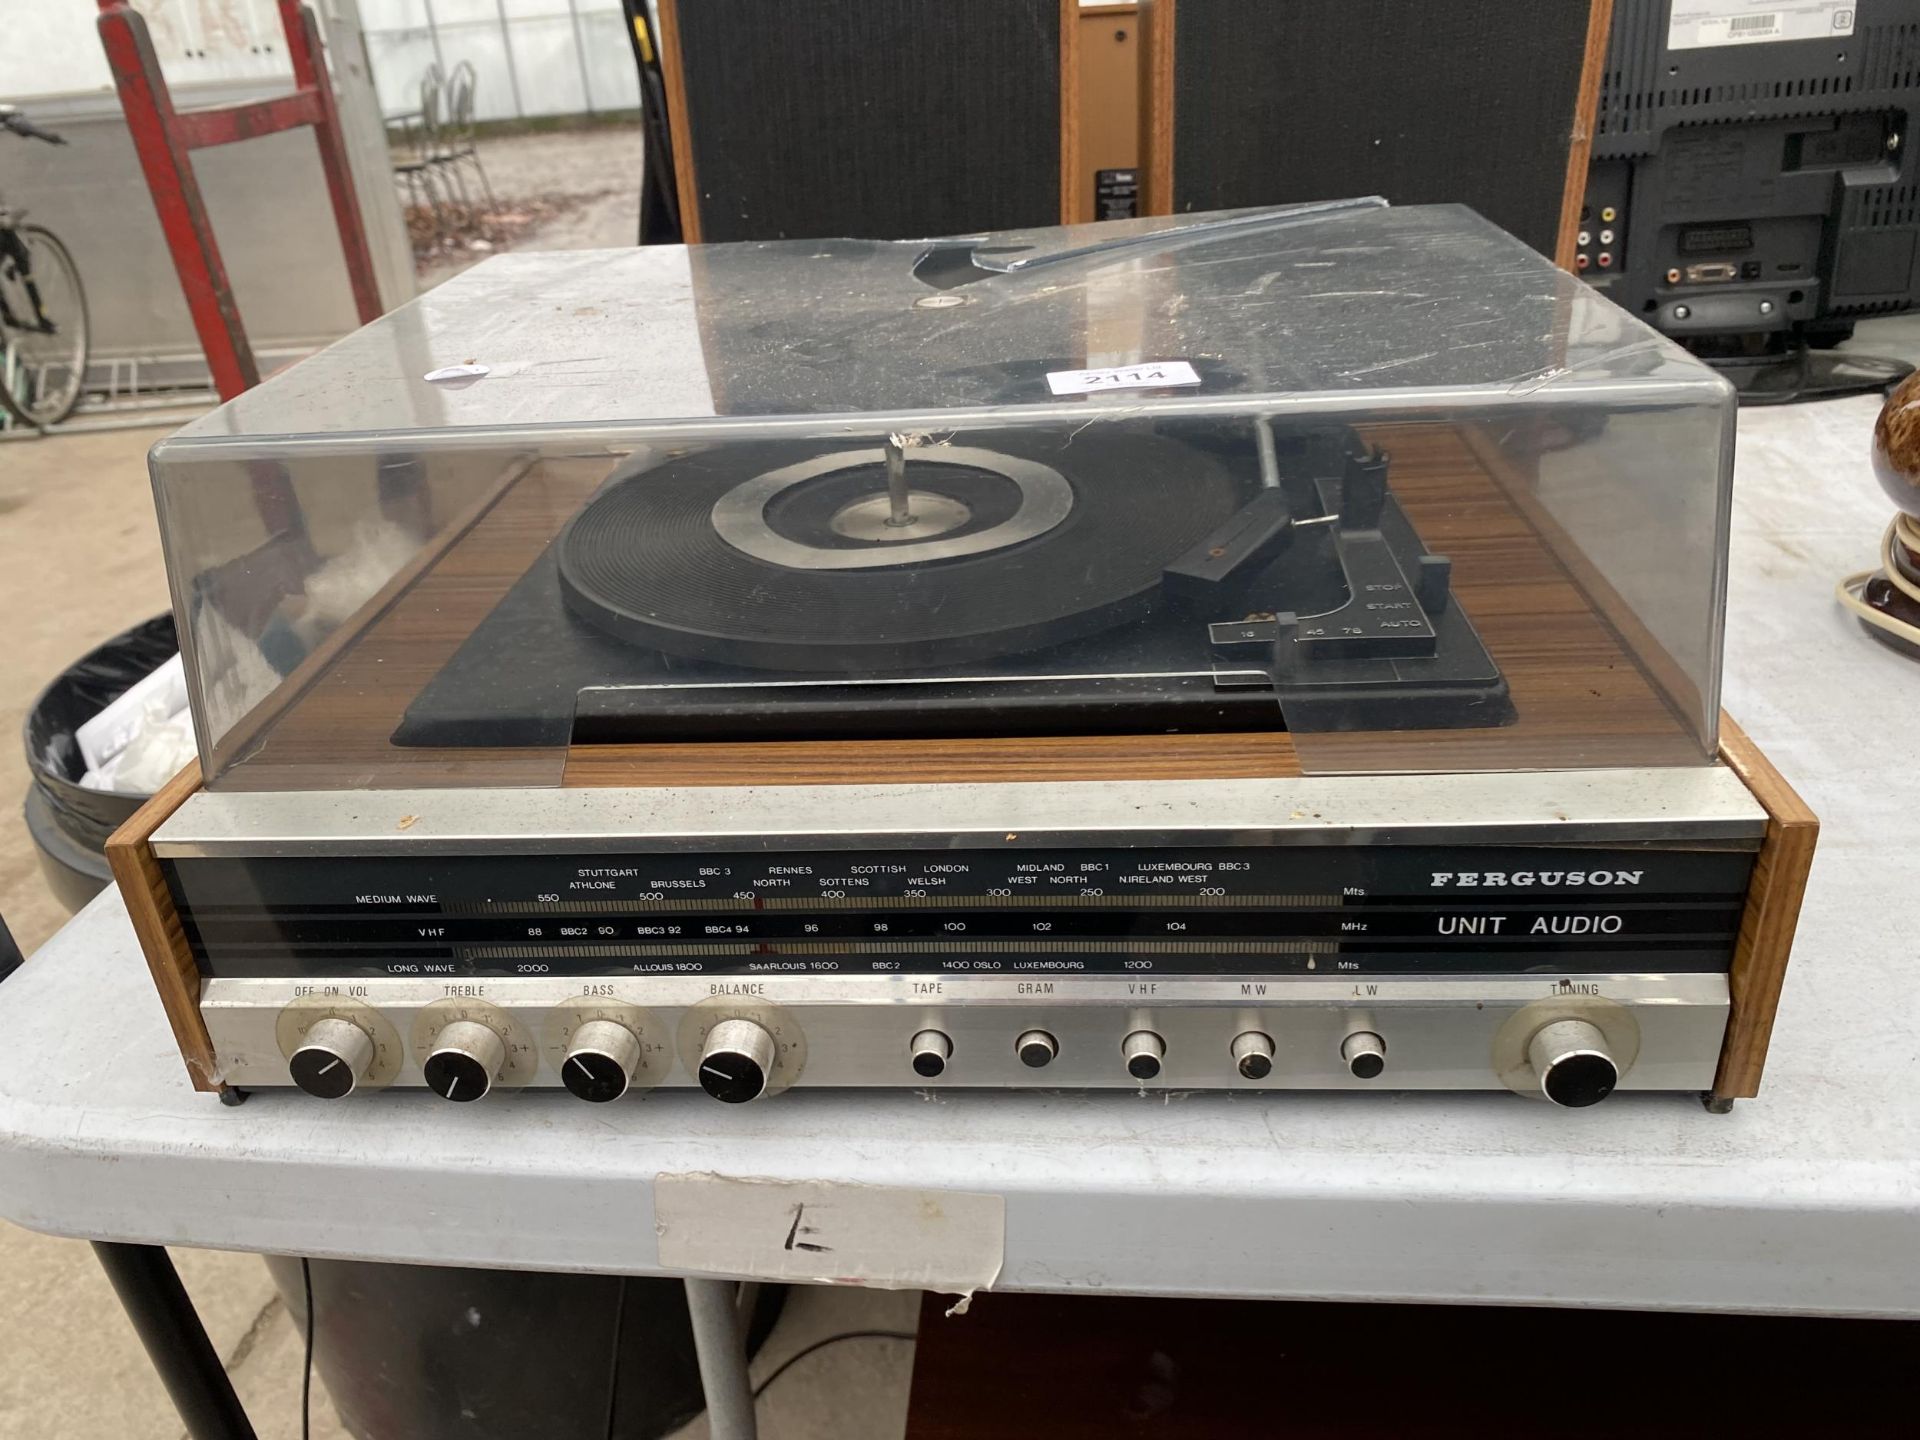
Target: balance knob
x: 1570, y: 1059
x: 465, y: 1061
x: 601, y: 1059
x: 736, y: 1061
x: 333, y: 1058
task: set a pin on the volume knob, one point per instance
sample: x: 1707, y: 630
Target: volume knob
x: 1571, y: 1062
x: 333, y: 1058
x: 736, y: 1061
x: 601, y: 1060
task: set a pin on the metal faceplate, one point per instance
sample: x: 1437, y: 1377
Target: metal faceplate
x: 1449, y: 918
x: 1680, y: 805
x: 1451, y: 1034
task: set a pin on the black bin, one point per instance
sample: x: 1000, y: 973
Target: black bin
x: 425, y: 1352
x: 70, y: 825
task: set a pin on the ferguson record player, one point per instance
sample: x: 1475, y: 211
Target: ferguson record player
x: 1264, y: 650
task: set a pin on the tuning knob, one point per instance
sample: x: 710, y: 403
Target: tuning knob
x: 465, y: 1060
x: 601, y: 1060
x: 1570, y: 1060
x: 736, y: 1061
x: 333, y: 1058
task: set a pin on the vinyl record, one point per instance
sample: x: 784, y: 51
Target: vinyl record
x: 782, y: 555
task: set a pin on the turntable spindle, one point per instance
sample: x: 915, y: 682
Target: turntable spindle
x: 899, y: 511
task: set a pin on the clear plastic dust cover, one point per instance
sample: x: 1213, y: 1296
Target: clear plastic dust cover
x: 1380, y: 483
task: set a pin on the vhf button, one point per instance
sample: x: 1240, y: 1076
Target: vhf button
x: 1143, y: 1051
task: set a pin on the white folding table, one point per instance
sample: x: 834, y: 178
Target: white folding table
x: 1805, y: 1200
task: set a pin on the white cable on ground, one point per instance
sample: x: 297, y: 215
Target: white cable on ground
x: 1904, y: 530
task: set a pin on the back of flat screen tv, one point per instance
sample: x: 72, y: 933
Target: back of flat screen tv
x: 1753, y: 178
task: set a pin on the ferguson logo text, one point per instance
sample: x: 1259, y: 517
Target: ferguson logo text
x: 1532, y: 879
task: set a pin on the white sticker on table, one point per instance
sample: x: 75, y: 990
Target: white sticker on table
x: 1697, y: 24
x: 952, y: 1241
x: 1148, y: 376
x: 467, y: 371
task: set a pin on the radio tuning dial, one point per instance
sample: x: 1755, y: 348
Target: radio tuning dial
x: 333, y: 1058
x: 1571, y: 1061
x: 736, y: 1061
x: 465, y: 1060
x: 601, y: 1060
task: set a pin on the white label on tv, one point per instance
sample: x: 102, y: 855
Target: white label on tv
x: 1697, y: 24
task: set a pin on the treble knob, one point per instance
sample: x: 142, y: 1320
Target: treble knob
x: 465, y: 1060
x: 736, y: 1061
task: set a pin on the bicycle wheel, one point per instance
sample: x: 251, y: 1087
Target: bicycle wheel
x: 43, y: 327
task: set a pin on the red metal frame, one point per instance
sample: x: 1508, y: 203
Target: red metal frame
x: 164, y: 139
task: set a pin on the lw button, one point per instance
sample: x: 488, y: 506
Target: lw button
x: 1365, y: 1054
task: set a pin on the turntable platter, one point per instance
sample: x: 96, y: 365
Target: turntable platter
x: 798, y: 556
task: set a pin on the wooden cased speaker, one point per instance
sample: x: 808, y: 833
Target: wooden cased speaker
x: 1485, y: 103
x: 884, y: 121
